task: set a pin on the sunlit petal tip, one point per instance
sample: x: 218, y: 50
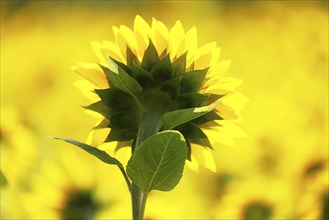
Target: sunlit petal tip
x: 99, y: 51
x: 141, y: 25
x: 92, y: 72
x: 115, y: 30
x: 87, y: 89
x: 193, y: 164
x: 209, y: 161
x: 206, y: 55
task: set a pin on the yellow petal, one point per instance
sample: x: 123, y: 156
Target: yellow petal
x: 112, y: 50
x: 193, y: 164
x: 219, y: 69
x: 87, y: 89
x: 160, y: 36
x: 235, y: 100
x: 141, y: 26
x: 100, y: 52
x: 177, y: 34
x: 190, y: 44
x: 125, y: 38
x: 142, y: 34
x: 219, y: 136
x: 222, y: 86
x: 121, y: 41
x: 93, y: 73
x: 206, y: 55
x: 231, y: 128
x: 203, y: 156
x: 227, y: 112
x: 209, y: 161
x: 97, y: 136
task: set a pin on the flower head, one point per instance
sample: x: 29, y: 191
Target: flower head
x: 159, y: 79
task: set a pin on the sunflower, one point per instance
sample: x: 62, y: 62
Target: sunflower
x: 162, y: 71
x: 314, y: 194
x: 256, y: 198
x: 62, y: 190
x: 18, y: 158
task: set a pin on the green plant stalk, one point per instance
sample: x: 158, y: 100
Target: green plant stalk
x: 150, y: 124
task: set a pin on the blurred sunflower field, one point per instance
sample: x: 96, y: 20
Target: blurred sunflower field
x: 278, y: 171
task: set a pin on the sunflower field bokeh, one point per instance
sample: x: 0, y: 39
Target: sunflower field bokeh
x: 279, y: 171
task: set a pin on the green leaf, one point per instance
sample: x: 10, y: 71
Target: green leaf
x: 172, y: 87
x: 101, y: 155
x: 174, y: 118
x: 193, y: 80
x: 144, y: 78
x: 208, y: 117
x: 151, y: 57
x: 120, y: 79
x: 162, y: 71
x: 179, y: 65
x: 3, y: 180
x: 158, y: 162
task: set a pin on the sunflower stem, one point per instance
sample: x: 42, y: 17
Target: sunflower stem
x: 150, y: 124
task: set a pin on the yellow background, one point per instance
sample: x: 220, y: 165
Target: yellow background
x: 278, y: 48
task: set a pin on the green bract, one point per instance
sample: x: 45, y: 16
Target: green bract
x: 155, y: 88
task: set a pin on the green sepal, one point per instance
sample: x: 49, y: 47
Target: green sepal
x: 122, y: 134
x: 151, y: 57
x: 131, y: 58
x: 123, y: 119
x: 189, y: 150
x: 179, y: 65
x: 121, y: 79
x: 103, y: 124
x: 163, y: 54
x: 203, y: 142
x: 191, y: 131
x: 190, y: 100
x: 162, y: 71
x: 126, y: 68
x: 100, y: 108
x: 194, y: 134
x: 190, y: 67
x: 174, y: 118
x: 208, y: 117
x: 101, y: 155
x: 172, y: 87
x: 116, y: 99
x: 122, y: 144
x: 212, y: 98
x: 158, y: 162
x: 144, y: 78
x: 193, y: 80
